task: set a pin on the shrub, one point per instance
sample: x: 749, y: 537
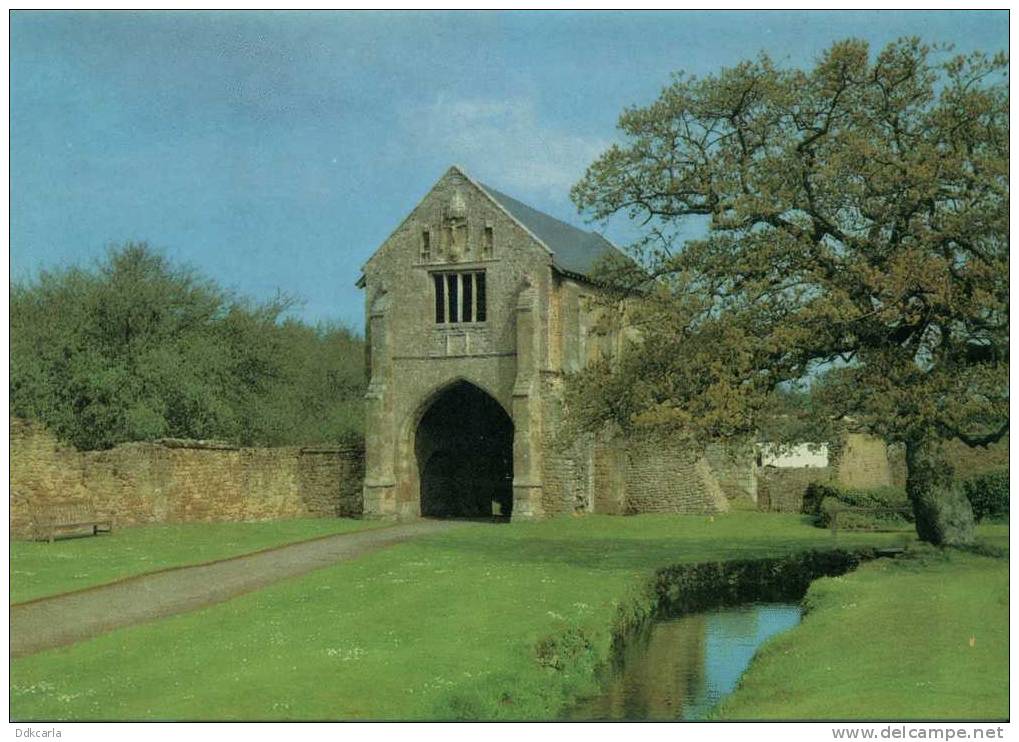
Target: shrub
x: 824, y: 511
x: 824, y: 499
x: 847, y: 520
x: 872, y: 497
x: 875, y: 497
x: 815, y: 494
x: 561, y: 651
x: 988, y: 494
x: 138, y: 349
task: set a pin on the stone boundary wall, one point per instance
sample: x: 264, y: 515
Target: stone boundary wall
x: 735, y: 468
x: 175, y: 481
x: 781, y: 489
x: 667, y: 477
x: 864, y: 462
x: 613, y: 474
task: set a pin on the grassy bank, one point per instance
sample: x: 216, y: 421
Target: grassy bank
x: 482, y: 622
x: 919, y: 638
x: 39, y: 568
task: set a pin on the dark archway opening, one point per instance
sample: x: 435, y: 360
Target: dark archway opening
x: 464, y: 449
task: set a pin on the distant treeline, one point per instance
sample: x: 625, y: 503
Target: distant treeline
x: 137, y: 349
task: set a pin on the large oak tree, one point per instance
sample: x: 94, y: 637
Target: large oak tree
x: 855, y: 230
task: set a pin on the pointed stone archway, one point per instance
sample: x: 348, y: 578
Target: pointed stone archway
x: 463, y: 446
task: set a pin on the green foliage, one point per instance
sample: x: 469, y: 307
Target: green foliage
x: 793, y: 414
x: 560, y: 651
x: 988, y: 494
x: 874, y: 497
x: 856, y: 219
x: 822, y: 500
x: 138, y: 349
x: 849, y: 520
x: 815, y: 494
x: 319, y: 396
x: 826, y: 511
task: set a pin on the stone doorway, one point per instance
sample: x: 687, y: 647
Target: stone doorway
x: 464, y: 450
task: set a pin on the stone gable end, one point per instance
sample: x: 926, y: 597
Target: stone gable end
x: 463, y: 304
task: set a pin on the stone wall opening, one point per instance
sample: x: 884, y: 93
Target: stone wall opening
x: 464, y: 449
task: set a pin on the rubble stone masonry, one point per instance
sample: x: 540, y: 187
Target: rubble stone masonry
x: 176, y: 481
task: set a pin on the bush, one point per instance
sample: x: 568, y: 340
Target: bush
x: 138, y: 349
x: 872, y: 497
x: 815, y: 495
x: 826, y: 510
x: 875, y: 497
x: 824, y: 499
x: 988, y: 494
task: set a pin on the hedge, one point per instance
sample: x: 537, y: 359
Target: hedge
x: 988, y: 494
x: 821, y: 500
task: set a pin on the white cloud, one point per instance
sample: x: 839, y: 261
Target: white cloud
x: 505, y: 143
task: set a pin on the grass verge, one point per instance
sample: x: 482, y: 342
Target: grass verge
x: 39, y: 568
x: 914, y: 638
x: 480, y: 622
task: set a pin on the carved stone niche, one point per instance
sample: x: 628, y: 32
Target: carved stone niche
x: 454, y: 228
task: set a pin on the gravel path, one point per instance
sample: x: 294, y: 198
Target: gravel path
x: 65, y: 619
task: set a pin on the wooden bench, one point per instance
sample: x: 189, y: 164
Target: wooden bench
x: 54, y: 520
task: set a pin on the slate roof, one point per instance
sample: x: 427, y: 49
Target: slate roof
x: 573, y: 250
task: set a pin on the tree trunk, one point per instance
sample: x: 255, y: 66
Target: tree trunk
x: 943, y: 514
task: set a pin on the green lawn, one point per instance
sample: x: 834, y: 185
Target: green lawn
x: 920, y: 638
x: 40, y: 568
x: 441, y: 627
x: 993, y: 535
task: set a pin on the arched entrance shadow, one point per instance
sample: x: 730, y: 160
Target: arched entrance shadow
x: 464, y: 450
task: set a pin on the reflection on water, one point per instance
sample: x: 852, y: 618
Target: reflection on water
x: 681, y: 668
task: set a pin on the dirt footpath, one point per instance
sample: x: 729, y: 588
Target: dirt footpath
x: 65, y: 619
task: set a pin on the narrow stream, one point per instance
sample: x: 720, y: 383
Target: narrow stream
x: 681, y: 668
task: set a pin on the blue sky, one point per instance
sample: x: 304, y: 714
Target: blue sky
x: 279, y: 149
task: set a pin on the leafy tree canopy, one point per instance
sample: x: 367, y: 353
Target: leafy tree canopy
x: 857, y: 227
x: 138, y: 349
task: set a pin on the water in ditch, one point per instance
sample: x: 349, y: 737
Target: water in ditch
x: 680, y: 668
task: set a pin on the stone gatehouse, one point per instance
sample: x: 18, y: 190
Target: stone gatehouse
x: 477, y: 307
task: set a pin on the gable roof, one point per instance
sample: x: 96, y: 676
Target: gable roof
x: 573, y: 249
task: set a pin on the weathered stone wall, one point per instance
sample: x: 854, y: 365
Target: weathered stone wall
x: 39, y: 466
x: 668, y: 477
x: 735, y: 468
x: 182, y: 481
x: 781, y: 489
x: 608, y: 476
x: 567, y: 480
x: 863, y: 462
x: 330, y: 479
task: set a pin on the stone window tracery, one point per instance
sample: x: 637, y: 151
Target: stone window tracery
x: 460, y: 297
